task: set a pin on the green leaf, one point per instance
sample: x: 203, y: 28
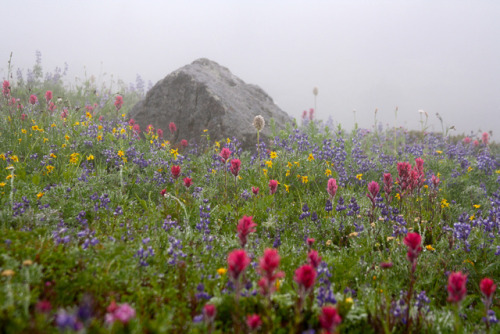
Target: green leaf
x: 36, y: 179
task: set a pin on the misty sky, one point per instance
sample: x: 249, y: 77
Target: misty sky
x: 439, y: 56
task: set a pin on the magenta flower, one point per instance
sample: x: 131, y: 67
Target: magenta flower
x: 255, y: 190
x: 6, y: 88
x: 435, y: 181
x: 387, y: 184
x: 235, y: 166
x: 457, y: 287
x: 313, y: 258
x: 331, y: 188
x: 386, y: 265
x: 159, y: 133
x: 33, y: 99
x: 175, y: 170
x: 413, y: 241
x: 476, y: 143
x: 485, y: 138
x: 329, y: 319
x: 245, y: 227
x: 268, y: 266
x: 253, y: 321
x: 237, y: 261
x: 118, y: 102
x: 467, y: 140
x: 187, y: 182
x: 487, y: 287
x: 224, y: 154
x: 209, y: 312
x: 122, y: 313
x: 273, y: 185
x: 184, y: 143
x: 172, y: 127
x: 131, y: 122
x: 305, y: 276
x: 404, y: 179
x: 48, y: 96
x: 373, y: 190
x: 310, y: 241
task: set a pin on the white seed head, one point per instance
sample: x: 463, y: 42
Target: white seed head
x: 315, y: 91
x: 259, y: 122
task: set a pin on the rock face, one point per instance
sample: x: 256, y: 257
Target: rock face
x: 205, y: 95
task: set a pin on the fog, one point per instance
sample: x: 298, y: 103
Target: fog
x: 437, y: 56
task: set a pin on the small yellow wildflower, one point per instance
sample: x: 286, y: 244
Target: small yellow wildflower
x: 390, y: 238
x: 2, y: 156
x: 120, y: 153
x: 398, y: 196
x: 269, y: 164
x: 471, y: 218
x: 8, y: 273
x: 264, y: 171
x: 477, y: 206
x: 287, y: 172
x: 217, y: 144
x: 99, y: 138
x: 14, y: 158
x: 214, y: 171
x: 53, y: 125
x: 49, y: 168
x: 122, y: 130
x: 349, y: 300
x: 430, y: 248
x: 175, y: 153
x: 45, y: 140
x: 205, y: 130
x: 289, y: 164
x: 3, y: 184
x: 374, y: 277
x: 328, y: 172
x: 66, y: 137
x: 24, y: 131
x: 63, y: 145
x: 359, y: 176
x: 123, y: 115
x: 90, y: 157
x: 273, y: 155
x: 221, y: 271
x: 52, y: 155
x: 124, y: 160
x: 228, y: 141
x: 469, y: 169
x: 439, y: 152
x: 278, y: 284
x: 9, y: 176
x: 73, y: 158
x: 114, y: 130
x: 99, y: 127
x: 297, y: 163
x: 444, y: 203
x: 76, y: 123
x: 305, y: 179
x: 468, y: 261
x: 35, y: 128
x: 40, y: 195
x: 310, y: 157
x: 287, y: 187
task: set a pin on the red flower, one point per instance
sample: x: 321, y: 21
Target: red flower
x: 310, y: 241
x: 273, y: 185
x: 48, y: 95
x: 235, y: 166
x: 253, y: 321
x: 184, y: 143
x: 43, y: 306
x: 457, y: 287
x: 245, y: 227
x: 163, y: 192
x: 386, y: 265
x: 118, y: 102
x: 33, y: 99
x: 332, y: 188
x: 487, y: 287
x: 159, y: 132
x: 131, y: 122
x: 373, y: 190
x: 6, y: 88
x: 387, y: 184
x: 329, y: 318
x: 176, y: 170
x: 225, y: 153
x: 237, y: 261
x: 187, y: 182
x: 413, y: 241
x: 209, y: 312
x: 268, y: 264
x: 172, y: 127
x: 313, y: 258
x: 255, y: 190
x: 485, y: 138
x: 305, y: 276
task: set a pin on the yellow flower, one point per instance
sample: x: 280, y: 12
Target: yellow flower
x: 114, y: 130
x: 53, y: 125
x: 287, y: 173
x: 14, y: 158
x: 76, y: 123
x: 359, y: 176
x: 398, y: 196
x: 63, y: 145
x: 2, y: 156
x: 228, y: 141
x: 430, y: 248
x: 99, y: 138
x: 49, y: 168
x: 99, y: 127
x: 66, y: 137
x: 122, y: 130
x: 123, y: 115
x: 269, y: 164
x: 468, y: 261
x: 278, y: 284
x: 310, y: 157
x: 23, y: 131
x: 390, y: 238
x: 349, y: 300
x: 289, y: 164
x: 273, y: 155
x: 175, y: 153
x: 287, y: 187
x: 221, y: 271
x: 444, y: 203
x: 264, y: 171
x: 214, y: 171
x: 471, y: 218
x: 305, y: 179
x: 477, y: 206
x: 469, y: 169
x: 2, y: 184
x: 120, y: 153
x: 124, y: 160
x: 73, y: 158
x: 217, y: 144
x: 88, y: 115
x: 8, y: 273
x: 205, y: 130
x: 45, y: 140
x: 439, y: 152
x: 9, y: 176
x: 40, y: 195
x: 328, y: 172
x: 52, y: 155
x: 90, y: 157
x: 297, y: 163
x: 35, y: 128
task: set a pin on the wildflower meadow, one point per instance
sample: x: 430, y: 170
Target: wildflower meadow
x: 109, y: 227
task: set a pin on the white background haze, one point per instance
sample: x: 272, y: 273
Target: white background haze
x: 439, y: 56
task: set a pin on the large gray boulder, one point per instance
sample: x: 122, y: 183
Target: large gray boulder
x: 205, y: 95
